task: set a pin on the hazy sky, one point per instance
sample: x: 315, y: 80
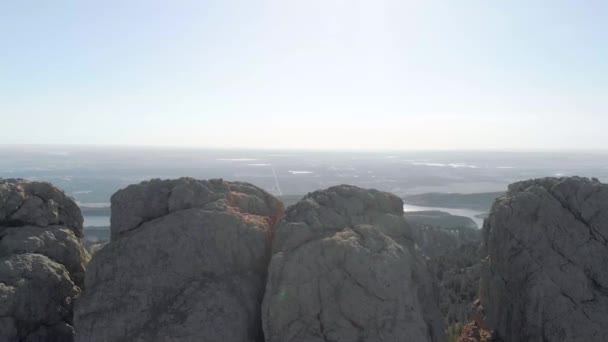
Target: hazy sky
x: 331, y: 74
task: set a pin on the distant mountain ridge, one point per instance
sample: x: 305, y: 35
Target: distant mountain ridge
x: 438, y: 218
x: 476, y: 201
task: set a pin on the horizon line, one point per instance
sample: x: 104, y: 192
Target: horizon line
x: 301, y: 149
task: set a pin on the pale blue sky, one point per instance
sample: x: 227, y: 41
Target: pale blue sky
x: 328, y: 74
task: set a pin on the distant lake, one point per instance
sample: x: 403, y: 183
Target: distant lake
x: 96, y: 221
x: 459, y: 212
x: 104, y: 221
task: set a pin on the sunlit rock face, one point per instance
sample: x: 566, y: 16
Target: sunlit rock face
x: 344, y: 268
x: 545, y: 277
x: 42, y: 261
x: 187, y: 261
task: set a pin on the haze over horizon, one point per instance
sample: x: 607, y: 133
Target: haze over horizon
x: 63, y: 148
x: 331, y: 75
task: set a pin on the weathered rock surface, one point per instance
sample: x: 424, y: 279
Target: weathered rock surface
x: 40, y: 204
x: 344, y: 268
x: 454, y: 258
x: 94, y: 247
x: 42, y: 261
x: 187, y: 262
x: 546, y: 277
x: 36, y: 299
x: 56, y: 242
x: 141, y: 203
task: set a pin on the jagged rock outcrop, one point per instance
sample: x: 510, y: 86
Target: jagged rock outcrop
x: 58, y: 243
x: 344, y: 268
x: 42, y: 261
x: 546, y: 277
x: 187, y: 261
x: 454, y: 258
x: 39, y: 204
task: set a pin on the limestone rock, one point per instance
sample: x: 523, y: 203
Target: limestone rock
x: 56, y: 242
x: 144, y: 202
x: 545, y: 277
x: 344, y: 268
x: 187, y: 261
x: 40, y: 204
x: 36, y: 299
x: 42, y: 261
x: 94, y: 246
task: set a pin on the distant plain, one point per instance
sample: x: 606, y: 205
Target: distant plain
x: 92, y: 174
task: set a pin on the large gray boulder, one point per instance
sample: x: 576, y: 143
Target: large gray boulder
x: 344, y: 268
x: 56, y: 242
x: 545, y: 277
x: 39, y: 204
x: 144, y: 202
x: 42, y: 261
x: 36, y: 299
x: 187, y: 261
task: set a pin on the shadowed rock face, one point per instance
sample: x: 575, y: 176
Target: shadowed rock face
x: 453, y: 257
x: 42, y: 261
x: 546, y: 277
x: 187, y: 261
x: 344, y: 269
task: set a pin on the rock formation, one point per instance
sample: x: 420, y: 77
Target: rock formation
x: 42, y: 261
x: 545, y: 277
x: 454, y: 258
x: 344, y: 268
x: 187, y: 261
